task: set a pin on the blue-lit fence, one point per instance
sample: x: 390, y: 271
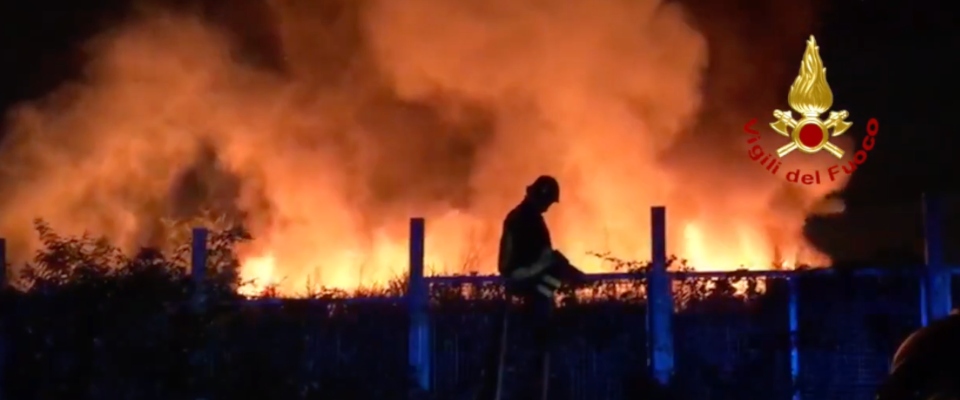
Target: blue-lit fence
x: 934, y: 295
x: 664, y: 357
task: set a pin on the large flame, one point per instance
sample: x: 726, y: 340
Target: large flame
x: 327, y: 132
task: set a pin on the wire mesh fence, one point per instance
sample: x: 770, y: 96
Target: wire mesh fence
x: 832, y: 340
x: 727, y: 346
x: 849, y: 328
x: 599, y: 349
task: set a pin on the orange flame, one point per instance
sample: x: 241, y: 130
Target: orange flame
x: 368, y: 113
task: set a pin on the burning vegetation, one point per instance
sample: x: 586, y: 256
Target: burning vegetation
x: 322, y: 126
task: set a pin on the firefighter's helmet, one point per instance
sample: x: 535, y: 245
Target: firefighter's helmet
x: 545, y: 189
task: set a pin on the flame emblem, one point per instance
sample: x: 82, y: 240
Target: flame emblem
x: 810, y: 96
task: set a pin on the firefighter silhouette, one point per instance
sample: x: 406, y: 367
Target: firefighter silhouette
x: 533, y: 271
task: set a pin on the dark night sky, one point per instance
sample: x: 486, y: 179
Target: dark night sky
x: 894, y: 61
x: 890, y: 59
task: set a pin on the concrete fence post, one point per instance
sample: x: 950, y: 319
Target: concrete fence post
x: 419, y: 348
x: 198, y: 265
x: 659, y: 302
x: 4, y: 343
x: 794, y: 327
x: 4, y: 280
x: 936, y: 276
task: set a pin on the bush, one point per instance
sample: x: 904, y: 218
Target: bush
x: 88, y: 322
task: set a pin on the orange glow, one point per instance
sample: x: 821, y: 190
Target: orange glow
x: 368, y: 113
x: 258, y: 274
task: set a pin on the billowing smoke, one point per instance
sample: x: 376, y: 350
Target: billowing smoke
x: 325, y: 135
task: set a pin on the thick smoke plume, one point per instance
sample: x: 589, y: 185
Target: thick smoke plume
x: 324, y: 135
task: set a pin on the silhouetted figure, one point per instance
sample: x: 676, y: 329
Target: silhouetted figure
x: 533, y: 271
x: 927, y: 364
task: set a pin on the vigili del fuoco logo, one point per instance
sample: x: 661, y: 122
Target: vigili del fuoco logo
x: 810, y: 97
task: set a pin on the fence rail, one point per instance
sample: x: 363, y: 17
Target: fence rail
x: 933, y: 298
x: 934, y: 287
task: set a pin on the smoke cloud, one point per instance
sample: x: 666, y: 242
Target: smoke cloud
x: 326, y: 133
